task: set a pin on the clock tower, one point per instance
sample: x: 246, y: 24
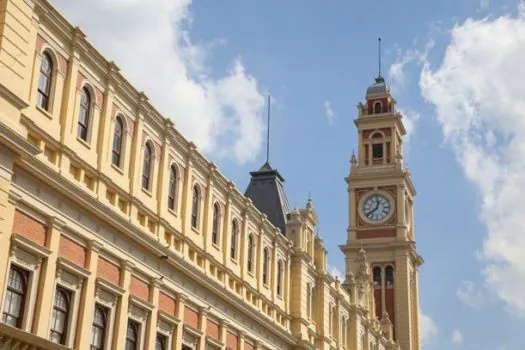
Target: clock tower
x: 380, y: 214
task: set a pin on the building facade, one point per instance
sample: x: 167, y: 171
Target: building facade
x: 116, y: 233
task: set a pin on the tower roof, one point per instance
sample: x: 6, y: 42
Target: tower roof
x: 266, y: 190
x: 379, y: 87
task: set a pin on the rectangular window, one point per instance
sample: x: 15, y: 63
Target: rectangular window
x: 161, y: 342
x: 377, y: 151
x: 15, y: 297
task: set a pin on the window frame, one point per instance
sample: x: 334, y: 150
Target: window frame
x: 137, y: 325
x: 172, y: 188
x: 216, y: 224
x: 83, y: 127
x: 107, y: 295
x: 105, y: 314
x: 147, y: 171
x: 234, y: 240
x: 25, y: 280
x: 66, y: 312
x: 280, y: 278
x: 250, y: 253
x: 266, y: 267
x: 195, y: 206
x: 50, y: 75
x: 118, y: 153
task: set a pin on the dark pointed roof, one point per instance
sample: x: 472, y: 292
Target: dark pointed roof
x: 266, y: 190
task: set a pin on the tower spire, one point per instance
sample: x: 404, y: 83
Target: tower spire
x: 379, y: 54
x: 268, y: 134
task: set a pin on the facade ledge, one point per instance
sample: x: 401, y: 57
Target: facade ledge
x: 168, y: 318
x: 13, y: 140
x: 143, y: 304
x: 214, y: 342
x: 12, y: 97
x: 193, y: 331
x: 26, y: 244
x: 73, y: 268
x: 109, y: 287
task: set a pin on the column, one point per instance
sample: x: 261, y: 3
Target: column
x: 177, y: 338
x: 207, y: 210
x: 70, y: 91
x: 203, y: 322
x: 87, y: 301
x: 226, y: 232
x: 136, y: 146
x: 242, y: 338
x: 151, y: 327
x: 164, y: 172
x: 352, y: 211
x: 46, y: 284
x: 187, y: 191
x: 104, y: 137
x: 223, y: 332
x: 121, y: 315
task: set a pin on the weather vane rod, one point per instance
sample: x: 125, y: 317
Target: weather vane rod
x: 268, y: 134
x: 379, y: 54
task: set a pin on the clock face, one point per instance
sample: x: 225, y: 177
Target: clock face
x: 376, y: 207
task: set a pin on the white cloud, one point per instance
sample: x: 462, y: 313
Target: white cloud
x: 427, y: 328
x: 456, y: 337
x: 334, y: 271
x: 329, y: 113
x: 478, y: 94
x: 410, y: 119
x: 470, y: 294
x: 397, y: 70
x: 152, y: 46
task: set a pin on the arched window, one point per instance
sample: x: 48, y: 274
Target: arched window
x: 330, y: 320
x: 146, y: 167
x: 15, y: 297
x: 334, y: 322
x: 377, y: 276
x: 266, y: 265
x: 377, y: 107
x: 172, y: 188
x: 215, y: 228
x: 84, y: 114
x: 251, y: 246
x: 160, y: 342
x: 60, y: 316
x: 280, y: 273
x: 116, y: 150
x: 389, y: 276
x: 233, y: 248
x: 99, y: 328
x: 313, y: 303
x: 44, y: 81
x: 195, y: 207
x: 132, y: 335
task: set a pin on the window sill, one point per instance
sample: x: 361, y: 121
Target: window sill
x: 146, y: 191
x: 195, y: 230
x: 250, y: 273
x: 44, y: 112
x: 83, y: 142
x: 234, y: 261
x: 117, y: 168
x: 216, y: 246
x: 172, y: 212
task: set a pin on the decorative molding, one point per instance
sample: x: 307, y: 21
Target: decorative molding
x: 72, y: 268
x: 109, y: 287
x: 133, y: 300
x: 19, y: 241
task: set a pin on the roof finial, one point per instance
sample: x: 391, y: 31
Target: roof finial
x: 309, y: 195
x: 268, y: 134
x: 379, y: 52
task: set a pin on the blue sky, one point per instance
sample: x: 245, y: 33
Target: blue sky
x: 310, y: 55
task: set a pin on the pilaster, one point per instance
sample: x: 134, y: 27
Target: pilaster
x: 7, y: 211
x: 87, y: 299
x: 137, y: 151
x: 182, y: 299
x: 46, y: 287
x: 203, y: 321
x: 121, y: 315
x: 151, y: 326
x: 187, y: 190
